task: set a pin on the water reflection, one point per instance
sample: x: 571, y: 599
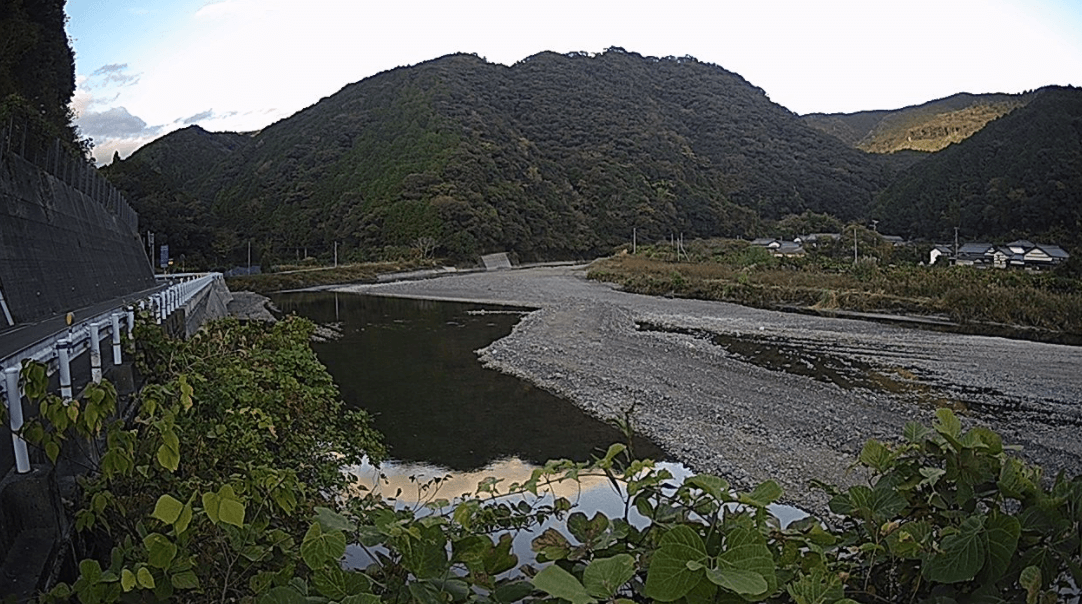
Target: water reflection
x: 412, y: 365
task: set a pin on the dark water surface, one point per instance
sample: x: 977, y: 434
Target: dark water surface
x: 412, y: 364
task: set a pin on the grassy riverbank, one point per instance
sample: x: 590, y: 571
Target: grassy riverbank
x: 300, y: 277
x: 733, y: 271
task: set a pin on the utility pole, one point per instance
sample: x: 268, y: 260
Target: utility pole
x: 335, y: 254
x: 854, y: 244
x: 955, y: 244
x: 634, y: 240
x: 249, y: 256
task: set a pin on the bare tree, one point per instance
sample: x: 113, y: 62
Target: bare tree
x: 425, y: 246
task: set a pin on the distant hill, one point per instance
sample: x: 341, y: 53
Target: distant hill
x: 160, y: 180
x: 556, y: 156
x: 185, y: 156
x: 1021, y: 175
x: 927, y: 127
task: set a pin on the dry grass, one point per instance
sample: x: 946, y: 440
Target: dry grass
x: 966, y: 295
x: 300, y: 279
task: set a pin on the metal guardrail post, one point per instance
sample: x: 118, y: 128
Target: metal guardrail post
x: 131, y: 321
x: 63, y: 352
x: 95, y: 352
x: 115, y: 318
x: 14, y: 399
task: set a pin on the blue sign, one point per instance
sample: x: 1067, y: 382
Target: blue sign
x: 165, y: 256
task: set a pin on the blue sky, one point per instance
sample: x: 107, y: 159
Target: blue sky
x: 147, y: 67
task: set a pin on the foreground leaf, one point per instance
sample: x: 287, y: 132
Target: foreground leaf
x: 557, y: 582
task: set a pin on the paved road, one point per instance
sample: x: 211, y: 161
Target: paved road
x: 19, y: 337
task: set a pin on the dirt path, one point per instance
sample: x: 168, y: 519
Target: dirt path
x: 752, y: 394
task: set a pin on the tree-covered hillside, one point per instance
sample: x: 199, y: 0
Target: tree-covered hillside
x: 37, y: 67
x: 556, y: 156
x: 565, y: 156
x: 1020, y: 176
x: 159, y: 180
x: 927, y: 127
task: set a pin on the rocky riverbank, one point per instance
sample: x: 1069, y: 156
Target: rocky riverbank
x: 752, y: 394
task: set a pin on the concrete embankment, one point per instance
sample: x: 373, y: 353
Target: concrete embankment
x: 60, y: 249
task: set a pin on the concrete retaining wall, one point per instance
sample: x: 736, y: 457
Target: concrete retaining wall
x: 59, y: 249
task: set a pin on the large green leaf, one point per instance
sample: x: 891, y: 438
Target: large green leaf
x: 160, y: 550
x: 498, y: 558
x: 820, y: 587
x: 744, y: 582
x: 746, y: 549
x: 336, y: 584
x: 320, y: 547
x: 551, y: 544
x: 333, y: 521
x: 167, y: 509
x: 231, y: 512
x: 669, y: 577
x: 718, y: 488
x: 962, y: 554
x: 948, y: 424
x: 876, y: 505
x: 587, y: 531
x: 763, y: 495
x: 169, y: 451
x: 185, y: 580
x: 557, y: 582
x: 606, y: 575
x: 282, y: 595
x: 1001, y: 534
x: 876, y: 455
x: 425, y: 554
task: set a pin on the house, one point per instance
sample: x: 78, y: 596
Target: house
x: 767, y: 242
x: 894, y: 240
x: 975, y: 254
x: 1043, y: 256
x: 941, y: 250
x: 1007, y: 257
x: 789, y: 248
x: 815, y: 239
x: 1021, y: 254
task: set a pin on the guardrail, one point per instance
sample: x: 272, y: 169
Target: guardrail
x: 57, y: 351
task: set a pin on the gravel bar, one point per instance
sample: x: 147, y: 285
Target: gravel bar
x: 753, y: 394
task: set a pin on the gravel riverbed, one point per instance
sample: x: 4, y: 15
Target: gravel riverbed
x: 753, y: 394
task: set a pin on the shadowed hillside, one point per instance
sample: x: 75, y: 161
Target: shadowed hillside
x: 1019, y: 176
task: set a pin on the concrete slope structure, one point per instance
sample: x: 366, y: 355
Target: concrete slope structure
x: 67, y: 238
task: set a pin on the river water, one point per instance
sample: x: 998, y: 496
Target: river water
x: 412, y: 365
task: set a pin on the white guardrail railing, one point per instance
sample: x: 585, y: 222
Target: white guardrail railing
x: 57, y: 351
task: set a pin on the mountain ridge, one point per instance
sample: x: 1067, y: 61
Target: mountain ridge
x: 556, y: 156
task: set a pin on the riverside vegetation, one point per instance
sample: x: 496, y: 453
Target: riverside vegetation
x: 885, y: 279
x: 228, y: 486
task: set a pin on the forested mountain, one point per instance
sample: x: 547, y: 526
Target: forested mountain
x: 37, y: 67
x: 1020, y: 176
x: 160, y: 179
x: 556, y: 156
x: 564, y: 155
x: 927, y: 127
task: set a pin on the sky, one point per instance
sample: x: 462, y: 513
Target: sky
x: 147, y: 67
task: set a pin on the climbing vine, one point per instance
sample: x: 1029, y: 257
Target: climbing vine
x: 228, y: 485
